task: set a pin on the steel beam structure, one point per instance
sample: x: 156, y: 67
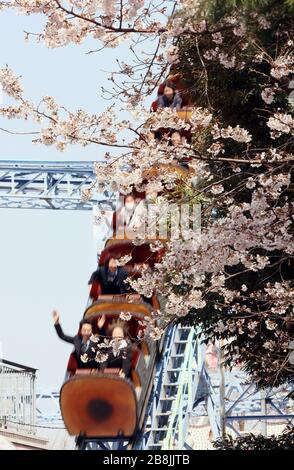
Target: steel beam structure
x: 17, y: 394
x: 49, y: 185
x: 238, y: 406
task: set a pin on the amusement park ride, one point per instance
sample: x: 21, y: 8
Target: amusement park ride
x: 169, y: 381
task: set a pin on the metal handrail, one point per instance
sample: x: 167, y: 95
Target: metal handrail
x: 185, y: 390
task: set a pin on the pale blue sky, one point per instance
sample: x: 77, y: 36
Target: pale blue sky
x: 46, y: 256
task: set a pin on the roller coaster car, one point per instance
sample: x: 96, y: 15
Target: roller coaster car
x: 184, y: 113
x: 102, y: 405
x: 164, y: 168
x: 176, y: 78
x: 141, y: 254
x: 99, y: 406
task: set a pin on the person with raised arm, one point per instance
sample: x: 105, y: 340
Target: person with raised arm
x: 83, y: 341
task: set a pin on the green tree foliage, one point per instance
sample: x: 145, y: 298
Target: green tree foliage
x: 252, y: 442
x: 228, y: 73
x: 216, y: 9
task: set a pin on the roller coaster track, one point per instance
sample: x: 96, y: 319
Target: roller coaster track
x: 174, y: 391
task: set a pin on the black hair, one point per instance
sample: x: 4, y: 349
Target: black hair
x: 173, y: 131
x: 106, y: 263
x: 84, y: 322
x: 120, y: 324
x: 170, y: 85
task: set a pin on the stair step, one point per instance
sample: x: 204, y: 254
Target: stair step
x: 159, y: 444
x: 159, y: 429
x: 172, y: 377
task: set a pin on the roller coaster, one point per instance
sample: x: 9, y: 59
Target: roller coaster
x: 169, y: 381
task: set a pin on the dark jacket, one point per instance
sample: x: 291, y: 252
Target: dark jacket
x: 163, y: 101
x: 115, y: 287
x: 122, y: 361
x: 77, y: 342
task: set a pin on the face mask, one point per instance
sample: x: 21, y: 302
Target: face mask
x: 129, y: 206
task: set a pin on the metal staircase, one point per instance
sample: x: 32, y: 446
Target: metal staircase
x: 175, y: 392
x: 185, y: 389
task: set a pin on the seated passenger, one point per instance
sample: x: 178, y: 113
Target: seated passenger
x: 123, y: 217
x: 144, y: 214
x: 82, y: 341
x: 171, y: 97
x: 98, y: 337
x: 176, y: 138
x: 119, y: 350
x: 111, y: 278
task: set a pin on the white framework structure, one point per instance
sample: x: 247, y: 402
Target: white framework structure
x: 17, y: 395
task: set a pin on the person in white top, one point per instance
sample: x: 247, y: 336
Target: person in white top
x: 122, y: 218
x: 125, y: 214
x: 144, y: 212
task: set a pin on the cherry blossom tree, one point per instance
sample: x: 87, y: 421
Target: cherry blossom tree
x: 234, y: 61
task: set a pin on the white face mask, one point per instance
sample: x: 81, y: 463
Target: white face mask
x: 129, y: 206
